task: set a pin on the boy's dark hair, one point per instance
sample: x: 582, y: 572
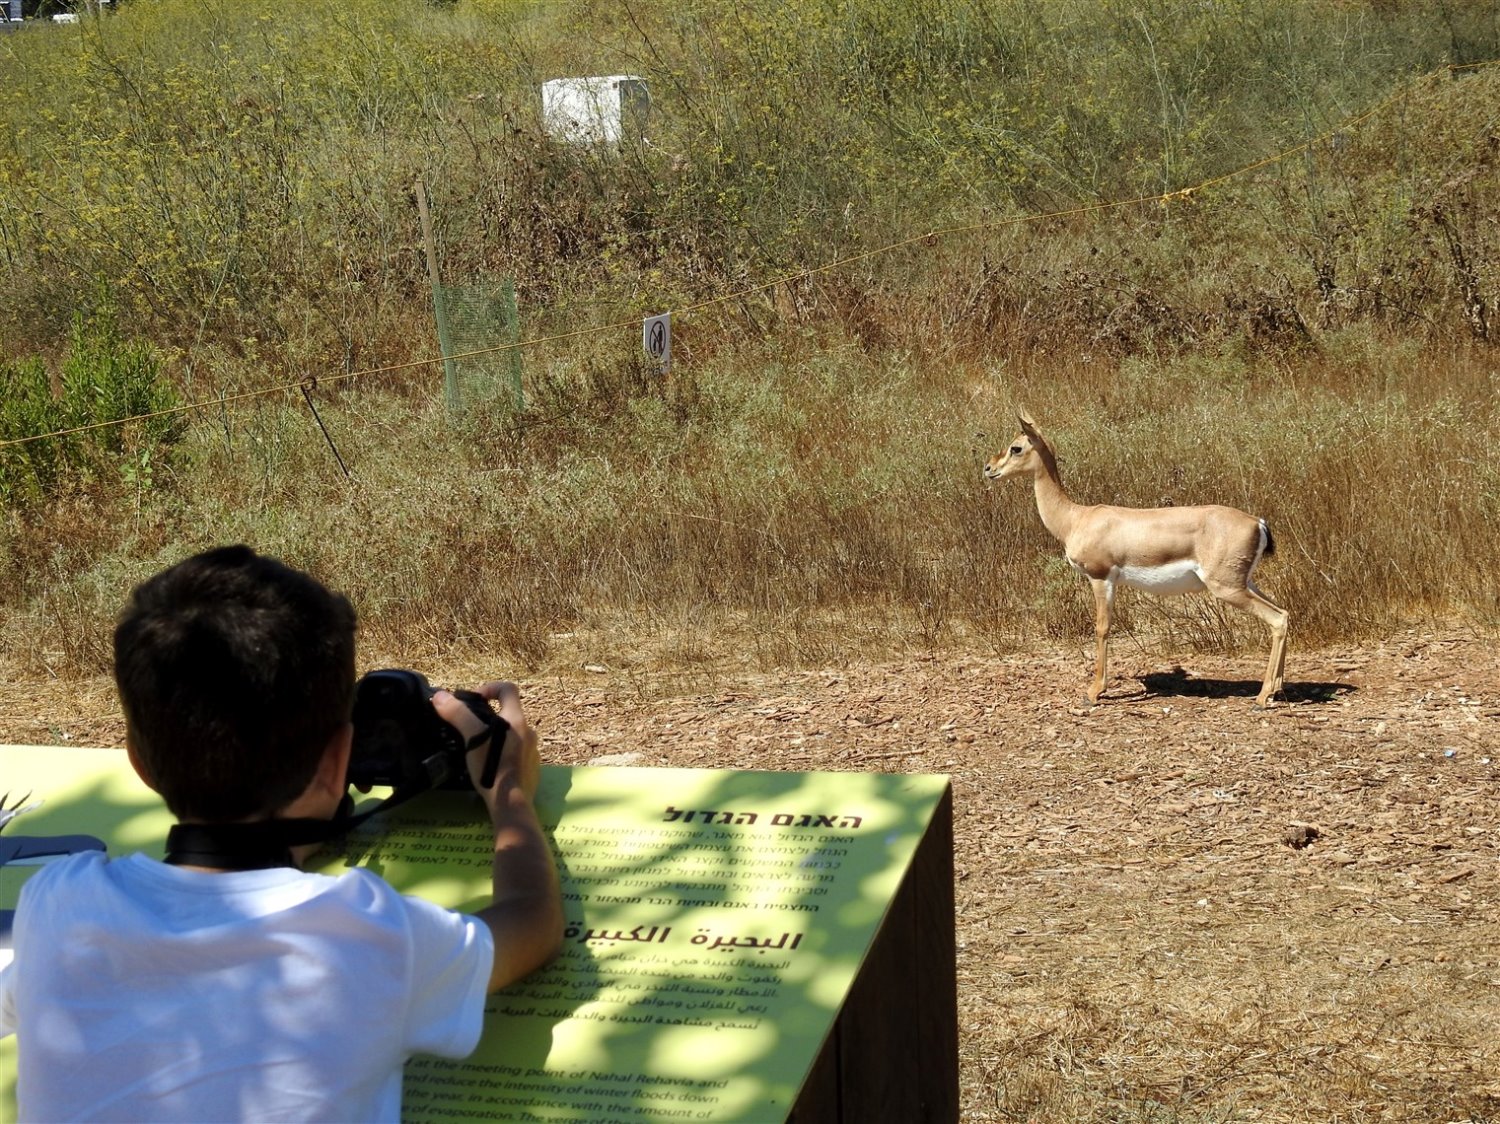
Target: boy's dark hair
x: 234, y: 672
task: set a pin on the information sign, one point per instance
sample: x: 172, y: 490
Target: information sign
x: 715, y: 923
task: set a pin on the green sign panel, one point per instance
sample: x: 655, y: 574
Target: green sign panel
x: 715, y: 921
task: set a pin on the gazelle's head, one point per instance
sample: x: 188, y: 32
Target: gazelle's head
x: 1023, y: 457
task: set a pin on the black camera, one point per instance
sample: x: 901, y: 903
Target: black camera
x: 401, y: 741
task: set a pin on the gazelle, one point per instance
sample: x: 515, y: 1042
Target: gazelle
x: 1162, y: 550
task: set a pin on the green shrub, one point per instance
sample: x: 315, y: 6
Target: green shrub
x: 115, y: 419
x: 28, y: 408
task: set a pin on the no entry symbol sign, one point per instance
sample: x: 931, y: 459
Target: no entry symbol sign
x: 656, y: 338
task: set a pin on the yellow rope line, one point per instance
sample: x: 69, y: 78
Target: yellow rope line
x: 1182, y: 194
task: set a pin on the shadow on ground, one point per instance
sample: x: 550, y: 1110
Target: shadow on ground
x: 1179, y: 683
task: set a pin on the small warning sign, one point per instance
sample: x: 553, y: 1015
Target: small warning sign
x: 656, y: 338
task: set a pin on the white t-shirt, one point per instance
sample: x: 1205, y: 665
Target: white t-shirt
x: 141, y: 991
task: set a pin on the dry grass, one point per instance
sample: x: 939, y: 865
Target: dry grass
x: 1303, y: 343
x: 793, y: 487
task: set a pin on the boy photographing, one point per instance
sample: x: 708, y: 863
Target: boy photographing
x: 193, y: 991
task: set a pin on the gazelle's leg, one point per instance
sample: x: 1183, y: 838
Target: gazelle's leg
x: 1278, y: 641
x: 1277, y: 620
x: 1104, y: 597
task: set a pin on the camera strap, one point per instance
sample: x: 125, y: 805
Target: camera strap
x: 238, y: 846
x: 265, y: 844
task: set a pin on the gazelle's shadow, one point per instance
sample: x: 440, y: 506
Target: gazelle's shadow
x: 1179, y: 683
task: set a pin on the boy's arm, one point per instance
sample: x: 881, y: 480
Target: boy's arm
x: 525, y: 918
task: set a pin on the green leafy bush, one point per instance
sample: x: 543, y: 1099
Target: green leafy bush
x: 114, y: 419
x: 28, y: 408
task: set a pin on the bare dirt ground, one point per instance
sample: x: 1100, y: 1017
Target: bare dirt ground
x: 1171, y: 907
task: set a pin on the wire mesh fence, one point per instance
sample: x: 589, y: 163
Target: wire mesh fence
x: 479, y: 319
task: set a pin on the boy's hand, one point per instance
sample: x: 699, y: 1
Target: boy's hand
x: 520, y: 761
x: 521, y: 756
x: 525, y: 915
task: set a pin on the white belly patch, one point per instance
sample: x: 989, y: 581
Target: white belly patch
x: 1174, y: 577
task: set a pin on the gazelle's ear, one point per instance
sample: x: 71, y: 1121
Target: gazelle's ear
x: 1028, y: 426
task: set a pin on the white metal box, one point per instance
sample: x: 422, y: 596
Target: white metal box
x: 610, y: 109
